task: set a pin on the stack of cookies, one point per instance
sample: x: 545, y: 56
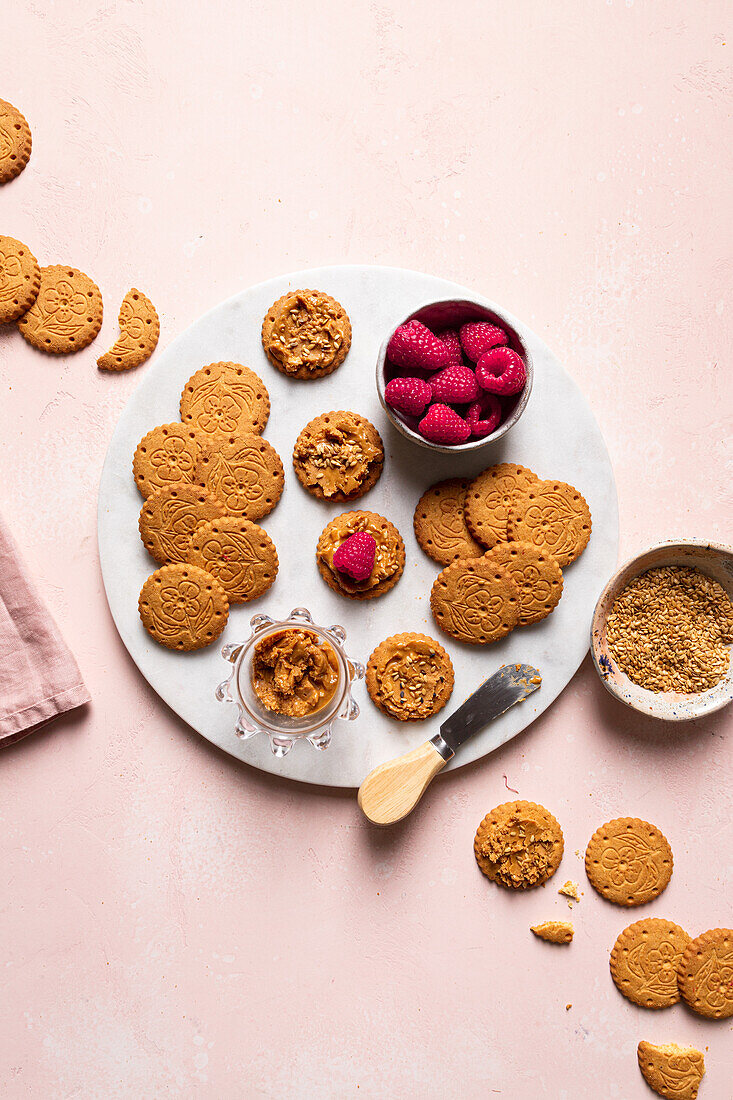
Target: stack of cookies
x: 503, y: 539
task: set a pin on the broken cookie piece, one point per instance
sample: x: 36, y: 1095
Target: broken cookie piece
x: 554, y: 931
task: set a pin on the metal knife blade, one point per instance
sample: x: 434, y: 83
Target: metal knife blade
x: 510, y: 685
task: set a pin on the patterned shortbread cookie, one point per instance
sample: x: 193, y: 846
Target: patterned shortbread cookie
x: 244, y: 472
x: 475, y: 601
x: 139, y: 333
x: 628, y: 861
x: 306, y: 334
x: 518, y: 845
x: 440, y: 522
x: 166, y: 456
x: 67, y: 313
x: 552, y: 515
x: 20, y: 279
x: 238, y: 553
x: 489, y: 497
x: 15, y: 141
x: 338, y: 456
x: 183, y: 607
x: 705, y: 974
x: 225, y: 399
x: 644, y: 962
x: 409, y: 676
x: 535, y: 573
x: 170, y: 516
x: 671, y: 1070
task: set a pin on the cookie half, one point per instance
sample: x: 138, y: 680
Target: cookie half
x: 475, y: 601
x: 409, y: 676
x: 644, y: 962
x: 306, y: 334
x: 705, y: 974
x: 552, y: 515
x: 535, y: 573
x: 628, y: 861
x: 389, y: 561
x: 489, y: 498
x: 139, y: 333
x: 67, y: 313
x: 519, y: 845
x: 15, y: 141
x: 671, y: 1070
x: 20, y: 279
x: 244, y: 472
x: 241, y: 556
x: 225, y: 399
x: 183, y: 607
x: 169, y: 517
x: 338, y: 456
x: 440, y: 522
x: 166, y: 456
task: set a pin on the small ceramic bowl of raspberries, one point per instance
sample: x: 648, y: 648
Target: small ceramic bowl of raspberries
x: 454, y: 376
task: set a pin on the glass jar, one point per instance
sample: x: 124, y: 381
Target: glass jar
x: 282, y: 730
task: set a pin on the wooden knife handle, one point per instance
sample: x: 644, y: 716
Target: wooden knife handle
x: 393, y: 789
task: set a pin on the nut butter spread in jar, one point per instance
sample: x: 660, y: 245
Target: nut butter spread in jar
x: 294, y: 672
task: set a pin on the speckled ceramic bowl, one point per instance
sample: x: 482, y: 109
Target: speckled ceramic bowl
x: 452, y: 314
x: 708, y: 557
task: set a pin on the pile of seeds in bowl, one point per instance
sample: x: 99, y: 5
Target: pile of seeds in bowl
x: 670, y: 629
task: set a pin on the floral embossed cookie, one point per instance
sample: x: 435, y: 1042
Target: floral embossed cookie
x: 306, y: 334
x: 475, y: 601
x: 389, y: 555
x: 535, y: 573
x: 671, y: 1070
x: 553, y: 516
x: 245, y: 473
x: 409, y: 676
x: 705, y: 974
x: 238, y: 553
x: 338, y: 456
x: 67, y: 313
x: 20, y: 279
x: 518, y: 845
x: 170, y: 516
x: 166, y: 456
x: 489, y: 498
x: 644, y: 962
x: 15, y: 141
x: 225, y: 399
x: 139, y: 333
x: 628, y: 861
x: 183, y: 607
x: 440, y: 522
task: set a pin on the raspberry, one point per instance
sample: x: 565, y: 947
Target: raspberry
x: 501, y: 370
x: 408, y: 395
x: 450, y: 338
x: 413, y: 345
x: 478, y: 336
x: 454, y: 385
x: 484, y: 416
x: 443, y: 425
x: 355, y: 555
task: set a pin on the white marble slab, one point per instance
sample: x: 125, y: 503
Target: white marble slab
x: 557, y: 436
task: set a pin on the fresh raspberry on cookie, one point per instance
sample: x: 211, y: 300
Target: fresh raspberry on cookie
x: 478, y: 336
x: 408, y: 395
x: 442, y: 424
x: 502, y: 371
x: 413, y: 346
x: 355, y: 556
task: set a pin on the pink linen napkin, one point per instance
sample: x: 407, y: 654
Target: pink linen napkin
x: 39, y: 678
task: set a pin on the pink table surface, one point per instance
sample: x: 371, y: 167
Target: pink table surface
x: 173, y: 923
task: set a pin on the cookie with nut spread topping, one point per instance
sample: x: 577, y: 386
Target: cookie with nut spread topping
x: 409, y: 676
x: 244, y: 472
x: 389, y: 555
x: 241, y: 556
x: 338, y: 456
x: 225, y: 399
x: 475, y: 600
x: 306, y: 334
x: 536, y: 574
x: 518, y: 845
x: 440, y: 522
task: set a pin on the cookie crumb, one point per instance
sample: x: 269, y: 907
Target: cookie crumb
x: 570, y: 890
x: 568, y: 1007
x: 554, y: 931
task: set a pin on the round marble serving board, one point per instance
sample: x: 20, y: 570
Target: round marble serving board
x: 557, y: 437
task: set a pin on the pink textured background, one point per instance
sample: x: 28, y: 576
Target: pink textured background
x: 172, y: 923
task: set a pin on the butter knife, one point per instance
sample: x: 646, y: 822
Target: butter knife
x: 393, y: 789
